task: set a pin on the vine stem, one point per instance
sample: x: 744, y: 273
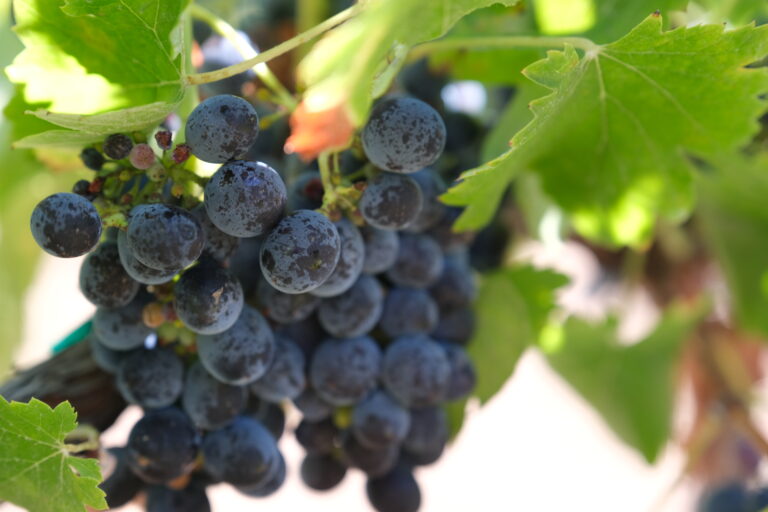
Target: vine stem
x: 229, y: 33
x: 266, y: 56
x: 327, y: 178
x: 425, y: 49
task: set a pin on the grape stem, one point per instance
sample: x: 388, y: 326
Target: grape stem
x: 463, y: 43
x: 228, y: 32
x: 327, y: 178
x: 266, y: 56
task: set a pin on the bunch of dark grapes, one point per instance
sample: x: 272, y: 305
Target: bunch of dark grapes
x: 213, y: 316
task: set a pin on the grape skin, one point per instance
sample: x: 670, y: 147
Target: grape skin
x: 379, y: 421
x: 372, y: 461
x: 432, y: 210
x: 210, y: 403
x: 390, y: 201
x: 455, y: 287
x: 164, y: 237
x: 243, y: 453
x: 122, y: 328
x: 117, y: 146
x: 397, y: 491
x: 121, y: 485
x: 104, y: 281
x: 151, y: 378
x: 245, y: 199
x: 317, y: 436
x: 312, y: 407
x: 456, y: 325
x: 322, y: 472
x: 106, y: 358
x: 301, y: 252
x: 218, y: 244
x: 285, y: 307
x: 307, y: 334
x: 268, y: 414
x: 342, y: 372
x: 463, y: 376
x: 242, y: 353
x: 162, y: 445
x: 416, y: 371
x: 285, y: 377
x: 192, y: 498
x: 428, y: 432
x: 208, y: 299
x: 244, y: 264
x: 271, y: 485
x: 354, y: 312
x: 419, y: 262
x: 408, y: 311
x: 65, y: 225
x: 222, y: 128
x: 136, y: 269
x: 306, y: 192
x: 403, y: 135
x: 350, y: 264
x: 381, y: 248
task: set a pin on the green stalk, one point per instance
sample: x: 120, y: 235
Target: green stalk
x: 463, y: 43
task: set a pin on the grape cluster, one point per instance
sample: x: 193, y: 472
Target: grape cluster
x: 214, y: 315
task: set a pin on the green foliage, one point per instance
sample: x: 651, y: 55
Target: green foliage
x: 614, y: 18
x: 632, y: 387
x: 609, y: 141
x: 37, y: 472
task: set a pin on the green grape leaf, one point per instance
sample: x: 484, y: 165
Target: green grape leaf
x: 632, y: 387
x: 512, y: 307
x: 37, y: 472
x: 614, y: 18
x: 739, y: 12
x: 734, y: 221
x: 102, y: 56
x: 341, y: 68
x: 609, y: 142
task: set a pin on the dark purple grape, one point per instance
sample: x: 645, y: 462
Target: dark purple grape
x: 243, y: 453
x: 306, y: 192
x: 408, y: 311
x: 456, y: 325
x: 136, y: 269
x: 432, y: 209
x: 390, y: 201
x: 379, y: 421
x: 104, y: 281
x: 268, y: 414
x: 354, y: 312
x: 343, y: 372
x: 397, y: 491
x: 164, y: 237
x: 372, y: 461
x: 416, y: 371
x: 92, y: 159
x: 455, y: 287
x: 192, y: 498
x: 285, y: 377
x: 419, y: 262
x: 350, y: 263
x: 163, y: 445
x: 448, y: 239
x: 245, y: 199
x: 285, y: 307
x: 322, y: 472
x: 244, y: 264
x: 221, y: 128
x: 121, y: 485
x: 269, y: 486
x: 307, y: 334
x: 428, y: 432
x: 301, y: 252
x: 217, y: 243
x: 208, y: 299
x: 117, y: 146
x: 381, y: 249
x: 403, y: 135
x: 106, y: 358
x: 242, y: 353
x: 210, y: 403
x: 318, y: 436
x: 66, y: 225
x: 151, y: 378
x: 463, y: 376
x: 312, y: 407
x: 122, y: 328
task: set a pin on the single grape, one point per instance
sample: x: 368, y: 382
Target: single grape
x: 403, y: 135
x: 350, y: 264
x: 106, y: 358
x: 397, y: 491
x: 269, y: 486
x: 243, y: 453
x: 221, y: 128
x: 343, y: 372
x: 463, y: 376
x: 372, y: 461
x: 432, y: 209
x: 318, y: 436
x: 217, y: 243
x: 117, y: 146
x: 428, y: 432
x: 142, y: 156
x: 456, y: 325
x: 245, y: 198
x: 379, y: 421
x: 208, y: 299
x: 285, y: 377
x: 208, y: 402
x: 151, y: 378
x: 307, y: 334
x: 66, y: 225
x: 83, y: 188
x: 455, y: 287
x: 104, y: 281
x: 136, y: 269
x: 242, y: 353
x: 268, y: 414
x: 164, y: 237
x: 312, y: 407
x: 122, y: 328
x: 381, y: 248
x: 354, y: 312
x: 120, y: 485
x: 301, y: 252
x: 416, y: 371
x: 408, y: 311
x: 390, y: 201
x: 163, y: 445
x: 191, y: 498
x: 322, y: 472
x: 306, y: 192
x: 419, y: 262
x: 92, y: 159
x: 285, y: 307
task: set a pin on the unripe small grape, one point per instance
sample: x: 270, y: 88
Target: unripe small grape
x: 142, y: 157
x: 117, y: 146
